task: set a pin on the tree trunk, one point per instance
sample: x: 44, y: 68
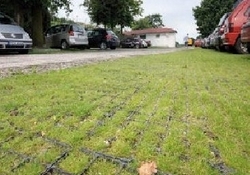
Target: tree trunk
x: 37, y: 26
x: 18, y: 14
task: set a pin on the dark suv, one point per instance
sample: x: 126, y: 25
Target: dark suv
x: 103, y: 39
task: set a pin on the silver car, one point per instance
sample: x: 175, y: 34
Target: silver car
x: 65, y: 36
x: 13, y: 37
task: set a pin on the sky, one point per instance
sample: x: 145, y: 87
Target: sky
x: 176, y: 14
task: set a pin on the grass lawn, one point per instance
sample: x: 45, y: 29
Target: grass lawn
x: 188, y: 111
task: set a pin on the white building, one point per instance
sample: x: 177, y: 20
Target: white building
x: 159, y: 37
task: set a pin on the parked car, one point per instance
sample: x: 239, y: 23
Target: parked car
x: 231, y: 36
x: 220, y: 30
x: 245, y: 33
x: 198, y: 42
x: 65, y: 36
x: 103, y: 39
x: 148, y: 43
x: 13, y: 38
x: 134, y: 43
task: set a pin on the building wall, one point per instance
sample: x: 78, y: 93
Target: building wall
x: 162, y: 40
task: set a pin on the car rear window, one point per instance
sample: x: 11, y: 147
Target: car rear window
x: 6, y: 20
x: 78, y: 28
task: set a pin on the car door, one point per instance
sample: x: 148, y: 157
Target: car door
x: 48, y: 37
x: 80, y: 35
x: 94, y: 38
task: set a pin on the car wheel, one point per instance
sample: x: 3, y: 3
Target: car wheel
x: 137, y: 46
x: 240, y: 47
x: 64, y: 45
x: 26, y: 51
x: 248, y: 47
x: 103, y: 46
x: 221, y: 48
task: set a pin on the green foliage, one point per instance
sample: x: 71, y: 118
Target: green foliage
x: 142, y: 23
x: 208, y: 14
x: 112, y: 12
x: 150, y: 21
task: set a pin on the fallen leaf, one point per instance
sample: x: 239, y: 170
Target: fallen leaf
x: 147, y: 168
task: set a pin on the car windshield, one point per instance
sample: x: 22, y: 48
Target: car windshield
x: 223, y: 18
x: 6, y: 20
x: 111, y: 32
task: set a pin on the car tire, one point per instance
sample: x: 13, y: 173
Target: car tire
x: 240, y: 47
x: 248, y: 47
x: 137, y: 46
x: 103, y: 46
x: 26, y: 51
x: 221, y: 48
x: 64, y: 45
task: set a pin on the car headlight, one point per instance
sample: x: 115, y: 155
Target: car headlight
x: 1, y: 36
x: 26, y: 36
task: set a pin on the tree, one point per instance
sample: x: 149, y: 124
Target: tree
x: 35, y: 11
x: 150, y: 21
x: 112, y: 12
x: 155, y: 20
x: 208, y: 14
x: 142, y: 23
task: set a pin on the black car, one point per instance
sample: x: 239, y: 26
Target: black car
x: 133, y: 43
x: 103, y: 39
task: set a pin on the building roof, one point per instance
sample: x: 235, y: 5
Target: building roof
x: 151, y: 31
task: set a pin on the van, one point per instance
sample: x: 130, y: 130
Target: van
x: 65, y: 36
x: 13, y: 38
x: 231, y: 36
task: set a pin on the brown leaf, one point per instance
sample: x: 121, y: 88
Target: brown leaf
x: 147, y: 168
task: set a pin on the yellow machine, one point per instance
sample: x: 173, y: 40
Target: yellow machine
x: 190, y: 41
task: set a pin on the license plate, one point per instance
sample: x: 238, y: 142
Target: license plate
x: 16, y: 43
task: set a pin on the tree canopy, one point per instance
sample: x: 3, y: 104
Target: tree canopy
x: 208, y: 14
x: 150, y: 21
x: 112, y: 12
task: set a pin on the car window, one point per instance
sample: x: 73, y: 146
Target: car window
x: 77, y: 28
x: 90, y: 33
x: 6, y: 20
x: 63, y: 28
x: 110, y: 32
x: 50, y: 31
x: 57, y: 29
x: 95, y: 33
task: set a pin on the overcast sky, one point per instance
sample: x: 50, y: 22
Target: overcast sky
x: 176, y: 14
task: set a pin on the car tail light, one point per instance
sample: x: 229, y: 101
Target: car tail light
x: 108, y: 37
x: 71, y: 33
x: 231, y: 27
x: 222, y: 29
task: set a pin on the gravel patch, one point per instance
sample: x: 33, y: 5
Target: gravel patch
x: 39, y: 63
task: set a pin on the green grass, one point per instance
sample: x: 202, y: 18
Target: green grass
x: 189, y: 111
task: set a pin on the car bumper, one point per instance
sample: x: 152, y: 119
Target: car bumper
x: 114, y: 44
x: 15, y: 45
x: 229, y: 39
x: 245, y: 33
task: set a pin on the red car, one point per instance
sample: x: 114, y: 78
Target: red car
x: 198, y: 43
x: 245, y: 33
x: 231, y: 36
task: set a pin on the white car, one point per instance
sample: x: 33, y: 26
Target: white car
x: 65, y: 36
x: 13, y: 38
